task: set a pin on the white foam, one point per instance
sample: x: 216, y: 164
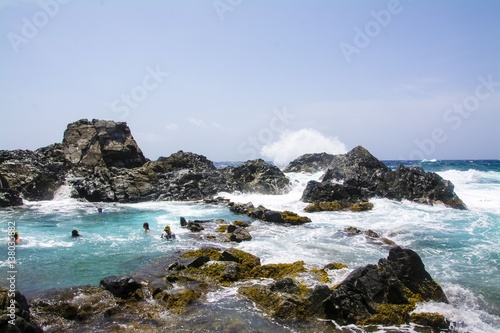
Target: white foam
x: 480, y: 190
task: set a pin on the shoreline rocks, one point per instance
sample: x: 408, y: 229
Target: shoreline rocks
x: 384, y: 293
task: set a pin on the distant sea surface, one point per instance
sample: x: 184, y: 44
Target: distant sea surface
x: 460, y: 249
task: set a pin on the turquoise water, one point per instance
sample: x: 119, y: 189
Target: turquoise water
x: 461, y: 249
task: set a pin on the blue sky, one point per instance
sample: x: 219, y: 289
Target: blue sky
x: 241, y: 79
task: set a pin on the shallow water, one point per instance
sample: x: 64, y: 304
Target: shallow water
x: 460, y: 249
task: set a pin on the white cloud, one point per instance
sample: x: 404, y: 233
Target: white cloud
x: 197, y: 122
x: 291, y: 145
x: 171, y: 127
x: 217, y: 125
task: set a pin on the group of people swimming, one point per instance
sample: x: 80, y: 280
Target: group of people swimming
x: 167, y: 232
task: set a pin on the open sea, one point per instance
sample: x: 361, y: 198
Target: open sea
x: 460, y: 249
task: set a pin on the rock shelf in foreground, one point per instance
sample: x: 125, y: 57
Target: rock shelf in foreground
x: 384, y: 293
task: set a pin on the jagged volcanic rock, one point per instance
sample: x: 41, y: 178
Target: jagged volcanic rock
x: 358, y: 175
x: 101, y: 161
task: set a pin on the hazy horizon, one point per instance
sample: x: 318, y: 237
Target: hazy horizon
x: 237, y: 80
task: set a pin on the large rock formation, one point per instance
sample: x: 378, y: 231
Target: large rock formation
x: 100, y: 161
x: 358, y: 176
x: 101, y: 143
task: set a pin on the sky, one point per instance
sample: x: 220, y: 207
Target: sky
x: 235, y: 80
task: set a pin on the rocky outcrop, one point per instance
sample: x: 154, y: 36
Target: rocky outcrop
x: 100, y: 161
x: 385, y: 293
x: 15, y: 314
x: 267, y: 215
x: 101, y: 143
x: 256, y: 176
x: 310, y: 163
x: 358, y: 176
x: 34, y: 174
x: 120, y: 286
x: 10, y: 197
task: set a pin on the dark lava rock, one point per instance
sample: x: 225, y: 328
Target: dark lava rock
x: 34, y: 174
x: 310, y: 163
x: 384, y: 293
x: 120, y: 286
x: 10, y: 197
x: 268, y: 215
x: 257, y: 176
x: 15, y: 315
x: 358, y: 176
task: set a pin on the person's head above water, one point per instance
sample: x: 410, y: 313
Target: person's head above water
x: 145, y: 225
x: 74, y: 233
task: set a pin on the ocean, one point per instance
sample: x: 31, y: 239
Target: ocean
x: 460, y: 249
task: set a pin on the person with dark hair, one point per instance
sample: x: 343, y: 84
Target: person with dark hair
x: 75, y: 233
x: 145, y: 225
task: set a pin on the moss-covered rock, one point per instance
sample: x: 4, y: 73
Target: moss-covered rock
x: 276, y: 271
x: 268, y: 215
x: 293, y: 218
x: 242, y: 224
x: 339, y: 205
x: 335, y: 265
x: 212, y: 253
x: 432, y: 319
x: 247, y: 260
x: 222, y: 228
x: 178, y: 301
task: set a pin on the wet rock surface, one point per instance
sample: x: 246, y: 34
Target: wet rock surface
x: 15, y: 313
x: 169, y: 290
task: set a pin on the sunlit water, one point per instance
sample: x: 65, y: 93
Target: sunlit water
x: 461, y: 249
